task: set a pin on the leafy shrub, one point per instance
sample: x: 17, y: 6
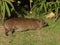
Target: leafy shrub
x: 4, y: 7
x: 42, y: 7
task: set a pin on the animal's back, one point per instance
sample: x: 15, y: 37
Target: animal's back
x: 20, y: 23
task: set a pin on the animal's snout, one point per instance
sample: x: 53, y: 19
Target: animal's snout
x: 46, y: 24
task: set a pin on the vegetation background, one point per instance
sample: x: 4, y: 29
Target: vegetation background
x: 31, y: 9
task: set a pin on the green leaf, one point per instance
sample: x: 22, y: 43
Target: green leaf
x: 31, y: 0
x: 56, y: 11
x: 3, y: 11
x: 11, y: 5
x: 7, y: 8
x: 45, y: 8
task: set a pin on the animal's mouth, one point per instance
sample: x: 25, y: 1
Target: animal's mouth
x: 46, y: 25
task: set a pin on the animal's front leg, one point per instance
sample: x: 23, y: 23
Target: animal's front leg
x: 6, y: 32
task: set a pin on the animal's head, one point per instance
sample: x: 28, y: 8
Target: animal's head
x: 42, y: 23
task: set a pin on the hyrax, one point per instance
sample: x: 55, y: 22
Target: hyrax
x: 23, y: 24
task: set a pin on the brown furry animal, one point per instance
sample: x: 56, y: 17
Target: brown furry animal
x: 23, y: 24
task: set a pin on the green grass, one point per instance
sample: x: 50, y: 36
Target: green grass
x: 46, y: 36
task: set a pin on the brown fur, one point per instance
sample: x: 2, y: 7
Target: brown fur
x: 23, y: 24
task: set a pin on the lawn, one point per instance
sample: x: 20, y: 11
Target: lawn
x: 46, y: 36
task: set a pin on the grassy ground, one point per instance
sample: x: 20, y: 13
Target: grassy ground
x: 46, y: 36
